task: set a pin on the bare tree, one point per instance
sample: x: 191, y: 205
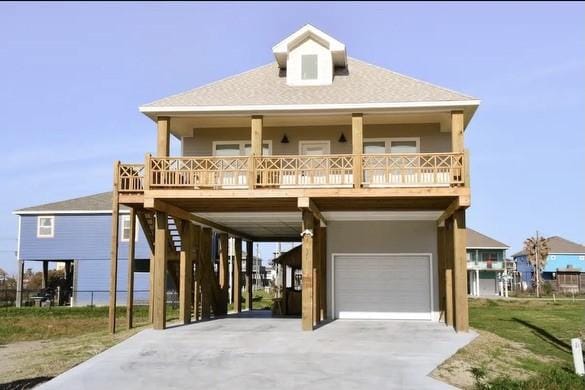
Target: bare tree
x: 536, y: 249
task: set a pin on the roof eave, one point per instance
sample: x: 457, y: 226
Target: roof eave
x: 470, y: 106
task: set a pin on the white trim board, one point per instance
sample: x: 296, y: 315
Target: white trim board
x: 57, y: 212
x: 381, y: 215
x: 309, y: 107
x: 389, y: 316
x: 488, y: 247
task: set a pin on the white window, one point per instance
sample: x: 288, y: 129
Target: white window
x: 46, y: 227
x: 238, y: 148
x: 125, y: 227
x: 391, y: 145
x: 309, y: 66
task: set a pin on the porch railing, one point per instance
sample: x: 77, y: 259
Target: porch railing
x: 304, y: 171
x: 413, y: 170
x: 131, y: 178
x: 326, y: 171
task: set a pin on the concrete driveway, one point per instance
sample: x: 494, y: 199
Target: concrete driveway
x: 259, y: 352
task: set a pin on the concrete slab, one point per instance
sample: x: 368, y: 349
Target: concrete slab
x: 259, y: 352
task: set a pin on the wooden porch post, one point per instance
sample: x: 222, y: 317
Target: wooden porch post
x: 460, y: 272
x: 223, y: 271
x: 237, y: 276
x: 131, y: 255
x: 19, y: 282
x: 186, y: 272
x: 307, y: 264
x: 249, y: 266
x: 457, y: 124
x: 196, y: 250
x: 205, y: 260
x: 441, y: 269
x: 256, y: 146
x: 160, y: 266
x: 114, y: 251
x: 357, y: 144
x: 163, y: 125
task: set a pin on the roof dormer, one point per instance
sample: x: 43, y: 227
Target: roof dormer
x: 310, y: 57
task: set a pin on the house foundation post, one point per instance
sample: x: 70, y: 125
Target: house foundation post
x: 19, y: 283
x: 196, y: 251
x: 307, y: 265
x: 441, y: 268
x: 131, y: 255
x: 186, y: 272
x: 160, y: 271
x: 206, y: 272
x: 114, y: 251
x: 448, y: 239
x: 45, y: 281
x: 223, y: 272
x: 323, y: 268
x: 461, y: 314
x: 249, y: 270
x: 237, y: 275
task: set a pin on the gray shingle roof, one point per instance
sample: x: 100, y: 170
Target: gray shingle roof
x: 95, y: 202
x: 558, y: 244
x: 359, y: 83
x: 477, y: 240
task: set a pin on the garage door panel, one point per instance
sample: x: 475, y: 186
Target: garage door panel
x: 382, y: 286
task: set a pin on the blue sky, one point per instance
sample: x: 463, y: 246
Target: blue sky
x: 73, y: 75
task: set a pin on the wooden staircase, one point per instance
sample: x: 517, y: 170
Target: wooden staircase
x: 209, y: 280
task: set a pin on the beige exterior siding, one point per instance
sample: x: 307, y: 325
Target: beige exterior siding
x: 431, y: 139
x: 383, y: 237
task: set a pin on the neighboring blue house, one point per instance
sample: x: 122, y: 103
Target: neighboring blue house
x: 76, y: 233
x: 564, y: 256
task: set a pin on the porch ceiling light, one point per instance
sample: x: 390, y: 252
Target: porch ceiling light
x: 284, y: 139
x: 342, y: 138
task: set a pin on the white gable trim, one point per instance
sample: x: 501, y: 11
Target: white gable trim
x: 283, y: 108
x: 336, y: 48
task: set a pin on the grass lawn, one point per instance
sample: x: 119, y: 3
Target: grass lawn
x: 519, y: 339
x: 39, y: 343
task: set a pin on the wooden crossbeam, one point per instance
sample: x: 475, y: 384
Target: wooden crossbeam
x: 177, y: 212
x: 308, y: 203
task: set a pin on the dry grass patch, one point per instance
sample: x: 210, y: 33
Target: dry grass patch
x: 497, y: 356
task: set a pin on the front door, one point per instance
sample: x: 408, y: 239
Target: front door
x: 314, y: 170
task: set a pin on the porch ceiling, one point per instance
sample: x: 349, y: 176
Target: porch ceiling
x: 287, y: 225
x: 243, y: 205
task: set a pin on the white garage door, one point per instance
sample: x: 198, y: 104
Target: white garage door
x: 382, y: 286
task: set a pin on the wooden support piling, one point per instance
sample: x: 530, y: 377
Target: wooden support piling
x: 237, y: 275
x: 114, y: 251
x: 131, y: 255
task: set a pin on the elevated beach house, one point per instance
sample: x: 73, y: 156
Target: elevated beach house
x: 364, y: 166
x: 486, y: 264
x: 564, y: 267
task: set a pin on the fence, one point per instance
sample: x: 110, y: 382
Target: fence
x: 80, y: 297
